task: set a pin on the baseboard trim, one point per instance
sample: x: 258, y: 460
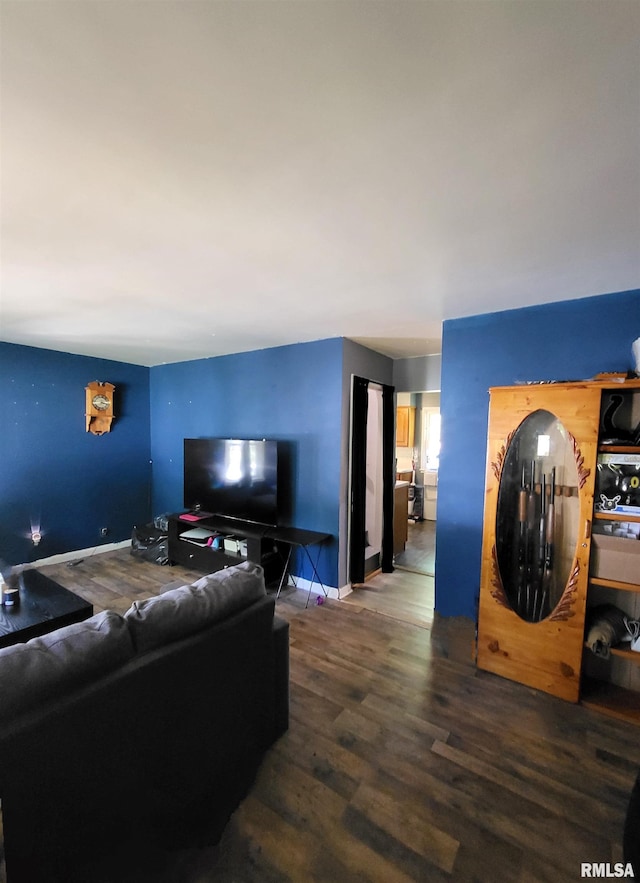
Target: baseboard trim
x: 314, y: 586
x: 77, y: 555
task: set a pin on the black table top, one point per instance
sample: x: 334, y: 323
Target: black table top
x: 297, y: 536
x: 44, y: 606
x: 294, y: 536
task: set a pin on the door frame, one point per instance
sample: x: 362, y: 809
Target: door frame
x: 357, y: 477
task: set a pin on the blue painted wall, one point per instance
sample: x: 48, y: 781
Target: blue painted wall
x: 291, y: 393
x: 55, y: 474
x: 72, y: 483
x: 560, y: 341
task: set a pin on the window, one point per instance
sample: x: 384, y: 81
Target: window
x: 431, y: 438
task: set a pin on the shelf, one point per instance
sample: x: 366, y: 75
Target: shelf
x: 615, y: 516
x: 614, y: 584
x: 624, y: 652
x: 200, y: 556
x: 613, y: 383
x: 618, y: 449
x: 612, y: 700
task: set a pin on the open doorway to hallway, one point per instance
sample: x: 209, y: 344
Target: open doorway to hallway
x: 417, y: 461
x: 402, y: 595
x: 408, y: 593
x: 419, y: 555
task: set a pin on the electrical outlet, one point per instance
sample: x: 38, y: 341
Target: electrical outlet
x: 104, y: 531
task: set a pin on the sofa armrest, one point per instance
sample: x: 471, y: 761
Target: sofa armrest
x: 631, y: 835
x: 281, y: 675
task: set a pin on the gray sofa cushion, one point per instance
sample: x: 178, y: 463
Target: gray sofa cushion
x: 180, y: 612
x: 47, y: 667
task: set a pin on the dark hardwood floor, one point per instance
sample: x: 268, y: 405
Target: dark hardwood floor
x: 419, y: 554
x: 405, y: 596
x: 402, y: 761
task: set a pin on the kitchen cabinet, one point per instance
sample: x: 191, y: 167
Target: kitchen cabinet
x: 405, y: 426
x: 400, y: 516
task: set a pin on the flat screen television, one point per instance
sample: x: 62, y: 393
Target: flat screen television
x: 233, y: 478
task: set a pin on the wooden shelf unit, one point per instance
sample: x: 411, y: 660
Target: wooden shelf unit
x: 616, y: 516
x: 549, y: 651
x: 614, y: 584
x: 609, y: 699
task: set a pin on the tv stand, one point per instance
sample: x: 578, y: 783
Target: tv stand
x: 197, y: 555
x: 261, y: 544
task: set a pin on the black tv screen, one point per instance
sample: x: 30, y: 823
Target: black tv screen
x: 234, y: 478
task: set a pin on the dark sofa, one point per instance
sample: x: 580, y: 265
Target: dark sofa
x: 144, y: 730
x: 631, y: 837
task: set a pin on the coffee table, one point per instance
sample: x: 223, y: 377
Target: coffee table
x: 44, y: 606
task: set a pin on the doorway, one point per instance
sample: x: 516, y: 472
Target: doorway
x: 417, y: 460
x: 371, y: 479
x: 394, y: 590
x: 419, y: 555
x: 374, y: 482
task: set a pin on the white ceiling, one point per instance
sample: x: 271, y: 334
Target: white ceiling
x: 188, y: 178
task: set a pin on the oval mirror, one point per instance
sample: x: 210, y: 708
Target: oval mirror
x: 537, y: 516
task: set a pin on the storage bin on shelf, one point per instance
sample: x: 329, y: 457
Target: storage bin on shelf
x: 615, y: 558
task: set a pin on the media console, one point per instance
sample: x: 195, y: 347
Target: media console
x: 212, y: 542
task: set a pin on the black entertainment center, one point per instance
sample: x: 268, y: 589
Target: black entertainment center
x: 200, y: 554
x: 231, y: 494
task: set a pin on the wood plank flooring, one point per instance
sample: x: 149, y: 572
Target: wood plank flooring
x: 402, y: 761
x: 403, y: 595
x: 419, y: 554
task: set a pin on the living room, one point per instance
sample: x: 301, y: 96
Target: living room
x: 538, y: 280
x: 299, y: 394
